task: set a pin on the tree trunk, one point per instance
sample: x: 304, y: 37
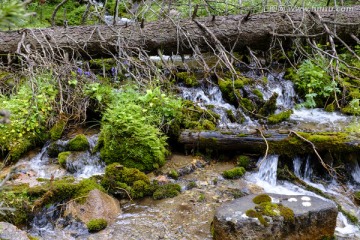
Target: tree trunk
x: 182, y: 36
x: 279, y: 142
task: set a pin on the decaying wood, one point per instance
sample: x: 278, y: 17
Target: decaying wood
x: 277, y: 142
x: 182, y: 36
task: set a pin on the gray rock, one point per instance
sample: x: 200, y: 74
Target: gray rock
x: 9, y: 231
x: 314, y: 218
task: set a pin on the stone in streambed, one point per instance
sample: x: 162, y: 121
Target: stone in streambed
x: 313, y: 218
x: 9, y: 231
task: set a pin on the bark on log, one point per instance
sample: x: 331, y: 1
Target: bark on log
x: 172, y: 36
x: 252, y: 142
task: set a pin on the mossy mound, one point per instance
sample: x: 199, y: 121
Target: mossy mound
x: 197, y: 118
x: 261, y: 198
x: 120, y: 181
x: 279, y: 117
x: 264, y: 207
x: 234, y: 173
x: 62, y: 158
x: 78, y: 143
x: 57, y: 130
x: 230, y: 88
x: 189, y: 79
x: 243, y: 161
x: 167, y: 191
x: 95, y: 225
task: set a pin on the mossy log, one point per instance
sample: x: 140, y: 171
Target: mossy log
x: 235, y: 32
x: 280, y: 142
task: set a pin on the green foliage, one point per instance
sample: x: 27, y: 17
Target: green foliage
x: 243, y: 161
x: 78, y: 143
x: 95, y: 225
x: 234, y: 173
x: 173, y: 174
x: 30, y: 108
x: 62, y: 158
x: 315, y: 82
x: 169, y: 190
x: 131, y: 132
x: 12, y: 13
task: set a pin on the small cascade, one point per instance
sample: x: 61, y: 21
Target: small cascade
x: 284, y: 89
x: 297, y: 166
x: 308, y: 170
x: 211, y: 95
x: 268, y: 169
x: 356, y: 173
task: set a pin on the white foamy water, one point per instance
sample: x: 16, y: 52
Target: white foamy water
x: 266, y: 178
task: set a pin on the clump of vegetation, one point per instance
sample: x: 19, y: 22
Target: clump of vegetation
x: 189, y: 79
x: 279, y: 117
x: 62, y: 158
x: 131, y: 133
x: 120, y: 181
x: 57, y: 130
x: 234, y: 173
x: 269, y: 106
x: 191, y: 185
x: 96, y: 225
x: 261, y: 198
x: 78, y: 143
x: 243, y: 161
x: 195, y: 117
x: 167, y: 191
x: 230, y: 88
x: 264, y: 207
x: 173, y: 174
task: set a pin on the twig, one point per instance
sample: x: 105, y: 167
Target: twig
x: 267, y: 146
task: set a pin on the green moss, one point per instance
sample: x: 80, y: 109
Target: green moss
x: 62, y: 158
x: 287, y: 213
x: 247, y: 104
x: 201, y: 197
x: 191, y: 185
x: 268, y: 209
x: 230, y: 116
x: 188, y: 78
x: 95, y: 225
x: 78, y: 143
x: 173, y: 174
x: 262, y: 198
x: 254, y: 214
x: 243, y: 161
x: 280, y: 117
x: 57, y: 130
x: 167, y: 191
x: 207, y: 125
x: 229, y: 88
x: 194, y: 117
x: 269, y: 106
x: 258, y: 93
x: 330, y: 107
x: 118, y: 179
x: 234, y: 173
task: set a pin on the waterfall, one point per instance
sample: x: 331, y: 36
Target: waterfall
x: 308, y: 170
x: 268, y: 169
x: 356, y: 173
x: 297, y: 166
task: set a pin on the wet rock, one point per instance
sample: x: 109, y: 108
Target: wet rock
x: 97, y: 205
x: 9, y: 231
x: 56, y: 147
x: 314, y: 218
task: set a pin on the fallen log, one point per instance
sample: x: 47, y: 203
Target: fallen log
x: 280, y: 142
x: 236, y: 32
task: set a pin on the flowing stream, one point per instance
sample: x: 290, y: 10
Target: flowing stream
x: 266, y: 178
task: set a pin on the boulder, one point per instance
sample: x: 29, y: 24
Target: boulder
x: 311, y: 218
x: 9, y: 231
x: 97, y: 205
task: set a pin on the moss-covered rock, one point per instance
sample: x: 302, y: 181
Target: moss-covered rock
x: 120, y: 181
x: 57, y: 130
x: 167, y: 191
x: 96, y: 225
x: 62, y: 158
x: 269, y: 106
x: 189, y: 79
x: 261, y: 198
x: 173, y: 174
x: 78, y: 143
x: 279, y: 117
x: 234, y: 173
x: 230, y: 88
